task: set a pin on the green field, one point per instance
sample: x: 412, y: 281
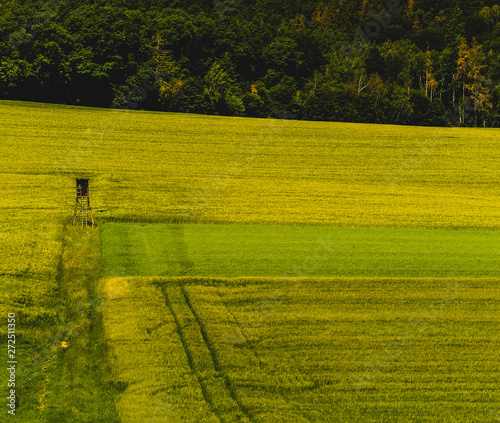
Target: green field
x: 236, y: 221
x: 265, y: 250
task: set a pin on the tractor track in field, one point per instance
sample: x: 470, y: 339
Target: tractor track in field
x: 215, y: 385
x: 187, y: 350
x: 215, y: 360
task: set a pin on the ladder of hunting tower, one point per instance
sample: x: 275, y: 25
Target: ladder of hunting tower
x: 82, y: 205
x: 85, y: 211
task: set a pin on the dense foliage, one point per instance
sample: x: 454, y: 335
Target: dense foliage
x: 401, y: 61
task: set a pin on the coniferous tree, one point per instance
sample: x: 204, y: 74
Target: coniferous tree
x: 166, y: 72
x: 463, y: 68
x: 478, y: 85
x: 430, y: 81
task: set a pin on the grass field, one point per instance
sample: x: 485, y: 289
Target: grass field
x: 265, y: 250
x: 200, y: 348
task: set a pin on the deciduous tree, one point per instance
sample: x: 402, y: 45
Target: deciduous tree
x: 220, y: 90
x: 166, y: 71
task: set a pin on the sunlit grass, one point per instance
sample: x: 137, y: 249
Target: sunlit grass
x: 264, y: 250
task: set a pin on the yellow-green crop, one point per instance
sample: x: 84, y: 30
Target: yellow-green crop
x: 160, y: 167
x: 306, y: 349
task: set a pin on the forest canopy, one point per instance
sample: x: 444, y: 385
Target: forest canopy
x: 415, y: 62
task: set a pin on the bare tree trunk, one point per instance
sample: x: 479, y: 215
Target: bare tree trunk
x: 475, y: 114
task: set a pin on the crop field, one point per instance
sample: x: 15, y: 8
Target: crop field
x: 189, y: 168
x: 265, y: 250
x: 258, y: 270
x: 310, y: 350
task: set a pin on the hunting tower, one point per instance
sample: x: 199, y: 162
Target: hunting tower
x: 82, y: 205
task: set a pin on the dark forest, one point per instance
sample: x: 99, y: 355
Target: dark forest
x: 413, y: 62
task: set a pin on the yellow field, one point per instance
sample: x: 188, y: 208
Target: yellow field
x: 305, y: 350
x: 172, y: 166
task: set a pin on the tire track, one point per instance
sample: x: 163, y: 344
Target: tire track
x: 167, y: 294
x: 215, y: 360
x: 246, y: 358
x: 216, y: 387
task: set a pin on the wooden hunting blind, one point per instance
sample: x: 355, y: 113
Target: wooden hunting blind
x: 82, y: 205
x: 82, y: 187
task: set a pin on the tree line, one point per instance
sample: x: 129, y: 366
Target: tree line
x: 416, y: 62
